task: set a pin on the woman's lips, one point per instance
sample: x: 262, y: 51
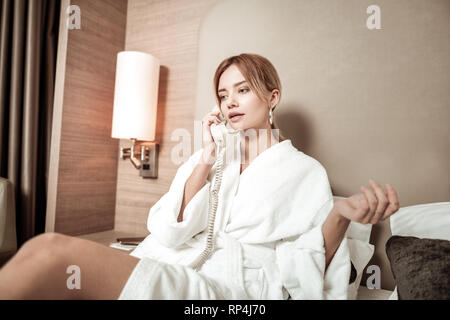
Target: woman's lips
x: 236, y: 118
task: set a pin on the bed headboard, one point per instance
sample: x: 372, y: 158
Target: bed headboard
x: 365, y: 103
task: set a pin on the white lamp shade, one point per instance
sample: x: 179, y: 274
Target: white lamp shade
x: 135, y: 96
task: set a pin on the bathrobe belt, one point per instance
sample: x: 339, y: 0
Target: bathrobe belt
x: 256, y: 258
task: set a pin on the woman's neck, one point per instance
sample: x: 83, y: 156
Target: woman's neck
x: 257, y: 143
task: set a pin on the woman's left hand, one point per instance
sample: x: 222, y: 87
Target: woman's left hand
x: 370, y: 206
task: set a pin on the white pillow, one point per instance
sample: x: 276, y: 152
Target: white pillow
x: 394, y: 295
x: 430, y: 220
x: 361, y: 251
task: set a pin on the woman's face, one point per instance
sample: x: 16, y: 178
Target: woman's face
x: 235, y: 95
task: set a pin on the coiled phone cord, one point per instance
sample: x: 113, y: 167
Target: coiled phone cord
x: 211, y: 217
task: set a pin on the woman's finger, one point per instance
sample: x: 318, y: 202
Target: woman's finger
x: 394, y: 204
x: 206, y: 125
x: 382, y: 200
x: 211, y: 119
x: 215, y: 120
x: 213, y: 114
x: 372, y: 201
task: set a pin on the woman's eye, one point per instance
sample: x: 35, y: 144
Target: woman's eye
x: 242, y: 90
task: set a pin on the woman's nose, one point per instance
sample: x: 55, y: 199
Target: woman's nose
x: 231, y: 101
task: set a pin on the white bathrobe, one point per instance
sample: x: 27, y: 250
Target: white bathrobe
x: 268, y: 238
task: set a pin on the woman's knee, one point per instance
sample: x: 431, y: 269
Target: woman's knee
x: 44, y: 245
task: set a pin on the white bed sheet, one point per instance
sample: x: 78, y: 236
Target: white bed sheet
x: 376, y: 294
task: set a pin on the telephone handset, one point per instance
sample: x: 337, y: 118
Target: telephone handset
x: 218, y: 133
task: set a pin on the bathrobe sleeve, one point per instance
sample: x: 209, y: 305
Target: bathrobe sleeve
x: 162, y: 219
x: 301, y: 260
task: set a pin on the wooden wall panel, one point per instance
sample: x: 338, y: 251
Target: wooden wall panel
x: 168, y: 30
x: 83, y: 199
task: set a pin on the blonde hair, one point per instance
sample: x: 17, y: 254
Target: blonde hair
x: 259, y: 73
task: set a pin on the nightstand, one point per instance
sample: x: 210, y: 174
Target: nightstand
x: 109, y: 236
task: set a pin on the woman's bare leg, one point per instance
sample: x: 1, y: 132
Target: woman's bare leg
x: 39, y: 269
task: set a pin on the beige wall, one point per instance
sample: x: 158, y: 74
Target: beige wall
x: 365, y: 103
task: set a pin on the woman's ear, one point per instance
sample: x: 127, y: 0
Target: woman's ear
x: 274, y: 98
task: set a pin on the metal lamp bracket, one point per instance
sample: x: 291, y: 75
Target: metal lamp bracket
x: 145, y: 160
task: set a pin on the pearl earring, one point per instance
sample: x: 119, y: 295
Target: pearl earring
x: 270, y: 116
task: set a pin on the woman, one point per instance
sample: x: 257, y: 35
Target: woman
x: 277, y: 231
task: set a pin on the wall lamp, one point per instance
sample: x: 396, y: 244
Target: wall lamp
x: 135, y: 109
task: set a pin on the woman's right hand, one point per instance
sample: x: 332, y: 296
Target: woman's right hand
x: 209, y: 146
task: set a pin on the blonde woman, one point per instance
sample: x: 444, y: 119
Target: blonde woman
x: 276, y: 234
